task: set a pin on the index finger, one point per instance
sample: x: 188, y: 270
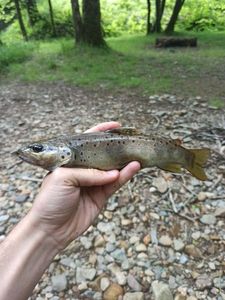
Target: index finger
x: 104, y: 126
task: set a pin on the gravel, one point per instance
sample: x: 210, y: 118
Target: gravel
x: 162, y: 235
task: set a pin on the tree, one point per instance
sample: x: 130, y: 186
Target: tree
x: 52, y: 18
x: 149, y: 25
x: 32, y: 12
x: 173, y: 19
x: 20, y: 20
x: 88, y: 27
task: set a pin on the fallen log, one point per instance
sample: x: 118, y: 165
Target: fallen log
x: 165, y: 42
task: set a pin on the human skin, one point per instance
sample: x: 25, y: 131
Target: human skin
x: 68, y: 202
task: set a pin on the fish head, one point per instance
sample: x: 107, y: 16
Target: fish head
x: 47, y: 155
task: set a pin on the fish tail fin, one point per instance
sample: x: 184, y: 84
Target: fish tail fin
x: 196, y: 163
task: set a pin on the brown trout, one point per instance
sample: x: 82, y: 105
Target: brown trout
x: 113, y: 149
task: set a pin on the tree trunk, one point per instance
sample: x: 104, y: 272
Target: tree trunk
x: 77, y: 21
x: 157, y: 16
x: 173, y: 19
x: 148, y: 17
x: 92, y: 23
x: 52, y: 18
x: 20, y: 20
x: 32, y: 11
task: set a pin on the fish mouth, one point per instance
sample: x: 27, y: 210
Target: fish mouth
x: 23, y: 157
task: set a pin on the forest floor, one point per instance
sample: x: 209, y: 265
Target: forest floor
x: 161, y: 234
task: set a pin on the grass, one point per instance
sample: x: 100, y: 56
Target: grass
x: 129, y: 62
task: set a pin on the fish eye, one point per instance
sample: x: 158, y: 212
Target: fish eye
x: 37, y: 148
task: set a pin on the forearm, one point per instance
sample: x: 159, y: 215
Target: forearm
x: 24, y: 256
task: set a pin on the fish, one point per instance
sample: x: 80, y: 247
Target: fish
x: 114, y: 149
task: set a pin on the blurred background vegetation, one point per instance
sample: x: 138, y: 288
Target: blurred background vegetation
x: 37, y: 43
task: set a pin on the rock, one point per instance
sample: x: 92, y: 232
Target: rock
x: 120, y: 277
x: 99, y: 241
x: 202, y: 196
x: 208, y: 219
x: 193, y: 251
x: 178, y: 245
x: 141, y: 248
x: 219, y: 282
x: 22, y: 198
x: 113, y: 292
x: 83, y: 274
x: 133, y: 283
x: 183, y: 259
x: 4, y: 218
x: 196, y: 235
x: 125, y: 264
x: 85, y: 242
x: 126, y: 222
x: 180, y: 297
x: 165, y: 240
x: 106, y: 227
x: 161, y: 291
x: 203, y: 282
x: 82, y: 286
x: 134, y: 239
x: 59, y: 282
x: 191, y: 298
x: 220, y: 212
x: 104, y: 283
x: 147, y: 239
x: 133, y: 296
x: 119, y: 255
x: 68, y: 262
x: 161, y: 184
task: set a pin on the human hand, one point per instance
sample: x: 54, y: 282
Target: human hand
x: 70, y: 199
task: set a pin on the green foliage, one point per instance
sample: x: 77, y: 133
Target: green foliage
x: 203, y: 15
x: 16, y: 53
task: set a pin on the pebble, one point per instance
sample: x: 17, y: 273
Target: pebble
x: 133, y: 296
x: 220, y: 212
x: 99, y: 241
x: 193, y: 251
x: 59, y: 282
x: 161, y: 291
x: 83, y: 274
x: 196, y: 235
x: 133, y: 283
x: 178, y: 245
x: 161, y: 184
x: 203, y: 282
x: 106, y: 227
x: 113, y: 292
x: 208, y: 219
x: 86, y: 242
x: 134, y: 239
x: 219, y: 282
x: 126, y: 222
x: 141, y: 248
x: 119, y: 255
x: 4, y: 218
x: 104, y: 283
x: 68, y: 262
x: 165, y: 240
x: 21, y: 198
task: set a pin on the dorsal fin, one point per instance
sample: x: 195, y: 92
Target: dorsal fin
x: 125, y: 131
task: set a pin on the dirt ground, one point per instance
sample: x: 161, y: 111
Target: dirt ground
x: 177, y: 220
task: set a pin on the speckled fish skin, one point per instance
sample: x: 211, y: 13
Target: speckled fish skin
x: 114, y: 149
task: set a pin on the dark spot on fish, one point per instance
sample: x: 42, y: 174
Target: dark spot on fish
x: 123, y: 142
x: 133, y: 141
x: 84, y: 160
x: 107, y: 144
x: 79, y: 139
x: 68, y: 153
x: 111, y: 141
x: 95, y: 145
x: 94, y: 154
x: 118, y: 142
x: 81, y: 145
x: 81, y: 153
x: 62, y: 156
x: 86, y: 143
x: 75, y: 157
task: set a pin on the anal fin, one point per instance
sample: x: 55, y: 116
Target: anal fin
x: 171, y: 167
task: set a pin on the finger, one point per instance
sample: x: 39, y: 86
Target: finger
x: 85, y: 177
x: 125, y: 175
x: 104, y: 126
